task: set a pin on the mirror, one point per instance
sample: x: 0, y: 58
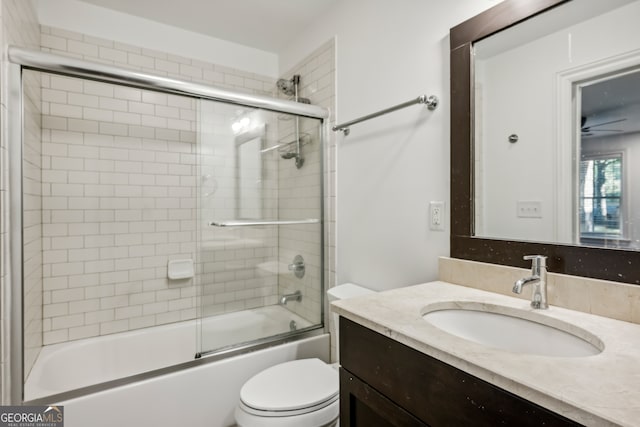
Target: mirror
x: 249, y: 173
x: 544, y: 129
x: 530, y: 176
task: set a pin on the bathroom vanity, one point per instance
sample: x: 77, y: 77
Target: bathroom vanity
x: 378, y: 371
x: 400, y: 370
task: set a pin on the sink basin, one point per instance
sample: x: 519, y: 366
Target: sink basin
x: 505, y: 328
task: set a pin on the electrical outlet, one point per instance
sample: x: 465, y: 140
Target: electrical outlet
x: 529, y: 209
x: 436, y: 216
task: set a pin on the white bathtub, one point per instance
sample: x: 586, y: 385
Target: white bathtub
x: 204, y: 395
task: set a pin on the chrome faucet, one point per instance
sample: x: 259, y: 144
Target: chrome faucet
x: 296, y: 296
x: 538, y: 279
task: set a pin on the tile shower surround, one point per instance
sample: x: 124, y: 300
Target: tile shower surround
x: 70, y: 111
x: 118, y: 184
x: 97, y: 137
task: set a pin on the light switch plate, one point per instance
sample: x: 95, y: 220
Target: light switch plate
x: 529, y: 209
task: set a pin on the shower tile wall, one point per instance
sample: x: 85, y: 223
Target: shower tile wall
x: 118, y: 203
x: 19, y: 25
x: 300, y: 189
x: 120, y: 180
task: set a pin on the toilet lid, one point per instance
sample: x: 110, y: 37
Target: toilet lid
x: 291, y: 386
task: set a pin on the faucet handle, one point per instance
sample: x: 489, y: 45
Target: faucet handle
x: 537, y: 261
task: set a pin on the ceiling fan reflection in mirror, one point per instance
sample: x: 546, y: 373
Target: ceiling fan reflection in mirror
x: 587, y: 130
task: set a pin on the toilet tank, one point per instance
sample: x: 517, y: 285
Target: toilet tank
x: 344, y: 291
x: 347, y: 290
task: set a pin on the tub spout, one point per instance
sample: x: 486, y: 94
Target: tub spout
x: 296, y: 296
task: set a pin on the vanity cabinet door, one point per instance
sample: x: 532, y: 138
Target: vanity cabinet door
x: 363, y: 406
x: 431, y: 391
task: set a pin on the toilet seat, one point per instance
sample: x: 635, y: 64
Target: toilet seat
x: 290, y: 392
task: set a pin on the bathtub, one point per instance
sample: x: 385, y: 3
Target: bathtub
x: 201, y: 395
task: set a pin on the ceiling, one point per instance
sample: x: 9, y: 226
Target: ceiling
x: 266, y: 25
x: 612, y: 105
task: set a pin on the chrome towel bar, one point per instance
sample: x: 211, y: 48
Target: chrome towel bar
x: 430, y: 101
x: 253, y: 223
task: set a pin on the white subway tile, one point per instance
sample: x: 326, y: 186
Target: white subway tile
x: 153, y: 121
x: 114, y: 277
x: 51, y: 122
x: 169, y: 112
x: 142, y: 322
x: 98, y: 266
x: 167, y: 66
x: 141, y: 108
x: 57, y: 96
x: 54, y: 337
x: 81, y: 332
x: 109, y: 103
x: 113, y: 55
x: 66, y: 295
x: 154, y: 308
x: 103, y: 166
x: 127, y: 93
x: 113, y: 302
x: 67, y: 84
x: 65, y: 110
x: 54, y: 283
x: 81, y: 48
x: 84, y: 152
x: 53, y: 310
x: 67, y: 242
x: 83, y: 100
x: 127, y: 118
x: 156, y: 98
x: 100, y: 316
x: 190, y: 71
x: 54, y: 230
x: 141, y: 61
x: 97, y: 114
x: 128, y: 312
x: 66, y: 269
x: 98, y: 241
x: 114, y: 327
x: 84, y: 177
x: 79, y: 125
x: 83, y: 255
x: 114, y: 129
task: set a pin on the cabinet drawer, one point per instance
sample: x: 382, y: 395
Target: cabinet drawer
x: 433, y: 391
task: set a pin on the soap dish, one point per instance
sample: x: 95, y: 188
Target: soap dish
x: 180, y: 269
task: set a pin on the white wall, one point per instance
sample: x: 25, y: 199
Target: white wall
x: 391, y: 167
x: 96, y: 21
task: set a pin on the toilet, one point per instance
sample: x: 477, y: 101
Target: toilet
x: 299, y: 393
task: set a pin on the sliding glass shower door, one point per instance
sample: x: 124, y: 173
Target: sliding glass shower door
x: 260, y: 225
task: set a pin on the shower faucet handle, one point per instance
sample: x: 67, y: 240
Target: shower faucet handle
x: 297, y: 266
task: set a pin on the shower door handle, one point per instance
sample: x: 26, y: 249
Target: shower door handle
x: 251, y: 223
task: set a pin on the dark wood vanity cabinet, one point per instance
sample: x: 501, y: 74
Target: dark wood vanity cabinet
x: 385, y: 383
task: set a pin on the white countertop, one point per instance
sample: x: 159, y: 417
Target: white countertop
x: 600, y: 390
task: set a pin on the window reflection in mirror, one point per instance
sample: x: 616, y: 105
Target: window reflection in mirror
x: 609, y: 140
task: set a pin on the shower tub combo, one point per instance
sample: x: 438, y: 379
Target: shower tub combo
x: 240, y: 304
